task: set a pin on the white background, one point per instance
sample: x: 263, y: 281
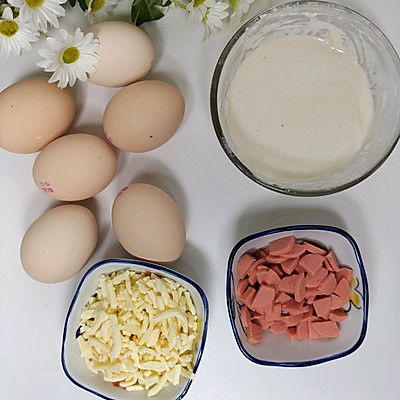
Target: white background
x: 220, y: 206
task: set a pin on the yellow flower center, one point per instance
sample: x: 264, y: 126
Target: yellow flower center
x: 198, y: 3
x: 70, y: 55
x: 34, y: 3
x: 96, y: 6
x: 8, y: 28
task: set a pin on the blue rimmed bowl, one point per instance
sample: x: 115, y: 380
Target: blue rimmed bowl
x: 74, y: 366
x: 278, y: 350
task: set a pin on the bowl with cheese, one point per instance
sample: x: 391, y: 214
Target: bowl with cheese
x: 134, y: 330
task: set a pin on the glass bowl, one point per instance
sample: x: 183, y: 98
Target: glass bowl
x: 373, y: 52
x: 74, y: 365
x: 278, y: 350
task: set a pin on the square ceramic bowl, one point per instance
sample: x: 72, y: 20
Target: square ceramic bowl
x: 278, y: 350
x: 74, y: 366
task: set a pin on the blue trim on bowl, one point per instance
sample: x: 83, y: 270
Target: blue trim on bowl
x: 364, y: 282
x: 146, y: 265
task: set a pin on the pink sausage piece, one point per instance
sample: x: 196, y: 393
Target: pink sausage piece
x: 300, y: 287
x: 253, y: 275
x: 299, y: 269
x: 259, y: 319
x: 321, y: 274
x: 311, y: 281
x: 337, y: 302
x: 241, y: 287
x: 313, y: 334
x: 260, y: 262
x: 254, y: 333
x: 262, y: 276
x: 307, y: 316
x: 248, y: 296
x: 297, y: 251
x: 327, y: 329
x: 311, y: 299
x: 277, y: 327
x: 282, y: 297
x: 289, y: 265
x: 312, y: 292
x: 311, y: 248
x: 294, y: 308
x: 275, y: 315
x: 275, y: 259
x: 252, y: 269
x: 343, y: 289
x: 273, y: 278
x: 244, y: 264
x: 264, y: 298
x: 344, y: 272
x: 277, y: 269
x: 261, y: 253
x: 245, y: 316
x: 333, y: 262
x: 292, y: 332
x: 287, y: 284
x: 322, y: 307
x: 292, y: 320
x: 311, y: 263
x: 328, y: 285
x: 302, y: 330
x: 282, y: 246
x: 338, y: 315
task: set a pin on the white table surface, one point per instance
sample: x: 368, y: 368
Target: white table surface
x: 220, y: 206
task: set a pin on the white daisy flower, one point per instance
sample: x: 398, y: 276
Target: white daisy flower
x: 38, y: 13
x: 14, y: 35
x: 209, y: 12
x: 70, y: 57
x: 242, y: 7
x: 98, y: 10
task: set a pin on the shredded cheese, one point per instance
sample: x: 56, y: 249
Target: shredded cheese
x: 139, y: 330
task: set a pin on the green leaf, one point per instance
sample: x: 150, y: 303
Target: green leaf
x: 82, y: 4
x: 72, y: 2
x: 234, y: 4
x: 147, y: 10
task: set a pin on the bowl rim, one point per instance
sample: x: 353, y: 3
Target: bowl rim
x: 145, y: 264
x: 214, y: 102
x: 364, y: 284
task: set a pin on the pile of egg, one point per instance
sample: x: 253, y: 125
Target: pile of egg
x: 35, y: 115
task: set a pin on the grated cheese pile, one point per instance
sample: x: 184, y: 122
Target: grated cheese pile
x: 139, y: 330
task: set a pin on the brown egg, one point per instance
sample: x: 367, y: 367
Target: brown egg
x: 148, y: 223
x: 34, y: 112
x: 57, y: 244
x: 126, y: 53
x: 143, y: 116
x: 74, y: 167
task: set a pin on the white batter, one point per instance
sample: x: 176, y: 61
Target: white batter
x: 297, y: 107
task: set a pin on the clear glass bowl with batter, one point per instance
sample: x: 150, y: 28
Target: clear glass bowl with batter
x: 372, y: 51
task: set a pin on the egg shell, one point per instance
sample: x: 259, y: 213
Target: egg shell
x: 34, y: 112
x: 74, y: 167
x: 57, y: 244
x: 126, y: 53
x: 148, y: 223
x: 143, y: 116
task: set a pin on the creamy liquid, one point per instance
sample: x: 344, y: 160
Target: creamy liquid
x: 298, y: 108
